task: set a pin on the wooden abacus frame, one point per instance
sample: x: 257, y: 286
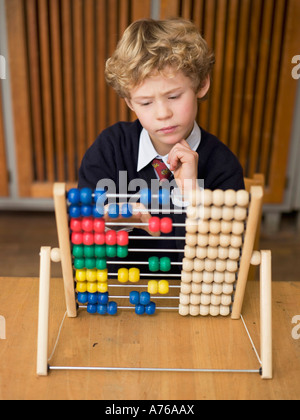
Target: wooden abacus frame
x: 262, y: 258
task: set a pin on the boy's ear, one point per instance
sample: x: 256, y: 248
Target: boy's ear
x: 205, y: 88
x: 128, y: 102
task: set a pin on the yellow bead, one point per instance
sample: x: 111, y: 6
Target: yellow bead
x: 81, y: 275
x: 163, y: 287
x: 91, y: 275
x: 102, y: 287
x: 92, y: 287
x: 81, y: 287
x: 152, y: 287
x: 123, y: 275
x: 134, y: 275
x: 102, y: 275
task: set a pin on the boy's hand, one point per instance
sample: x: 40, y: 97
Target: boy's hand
x: 184, y: 163
x: 141, y: 216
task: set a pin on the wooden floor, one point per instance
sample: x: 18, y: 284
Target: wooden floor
x: 23, y: 233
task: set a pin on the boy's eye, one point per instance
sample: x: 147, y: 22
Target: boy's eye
x: 145, y: 104
x: 174, y: 97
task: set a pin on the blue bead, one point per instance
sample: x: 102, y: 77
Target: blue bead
x: 140, y: 309
x: 98, y: 211
x: 145, y: 196
x: 86, y: 210
x: 145, y: 298
x: 86, y: 196
x: 113, y: 211
x: 93, y: 298
x: 74, y: 211
x: 126, y: 210
x: 82, y: 298
x: 112, y: 308
x: 102, y: 309
x: 164, y: 196
x: 100, y: 196
x: 91, y: 309
x: 134, y: 298
x: 150, y: 308
x: 103, y: 298
x: 74, y: 196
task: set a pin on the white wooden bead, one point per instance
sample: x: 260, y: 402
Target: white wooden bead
x: 233, y: 253
x: 191, y: 226
x: 196, y: 288
x: 214, y: 310
x: 184, y: 310
x: 223, y: 252
x: 226, y: 300
x: 204, y: 310
x: 194, y: 310
x: 230, y: 198
x: 196, y: 197
x: 203, y: 212
x: 195, y: 299
x: 212, y: 252
x: 210, y: 265
x: 190, y: 252
x: 213, y: 239
x: 216, y: 213
x: 220, y: 265
x: 197, y: 276
x: 219, y: 277
x: 231, y: 266
x: 236, y: 241
x: 229, y: 277
x: 240, y: 213
x: 215, y: 226
x: 206, y: 288
x: 237, y: 227
x: 226, y: 226
x: 186, y: 276
x: 203, y: 226
x: 227, y: 289
x: 242, y: 198
x: 217, y: 289
x: 207, y: 197
x: 215, y: 299
x: 205, y: 299
x: 201, y: 252
x: 55, y: 255
x: 208, y: 277
x: 256, y: 258
x: 218, y: 197
x: 227, y: 213
x: 186, y: 288
x: 199, y: 264
x: 192, y: 212
x: 224, y: 310
x: 191, y: 239
x: 224, y: 239
x: 187, y: 264
x: 184, y: 299
x: 202, y: 240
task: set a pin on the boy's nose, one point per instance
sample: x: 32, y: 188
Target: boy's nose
x: 163, y: 112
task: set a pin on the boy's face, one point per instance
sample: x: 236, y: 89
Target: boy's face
x: 166, y: 107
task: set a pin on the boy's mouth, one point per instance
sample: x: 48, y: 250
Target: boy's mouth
x: 168, y: 130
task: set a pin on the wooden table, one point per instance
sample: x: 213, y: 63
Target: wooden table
x: 162, y: 340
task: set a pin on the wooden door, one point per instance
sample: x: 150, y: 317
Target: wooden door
x: 58, y: 50
x: 251, y: 102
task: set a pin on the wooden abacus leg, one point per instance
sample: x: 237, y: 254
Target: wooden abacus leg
x: 266, y: 314
x: 59, y: 193
x: 43, y: 322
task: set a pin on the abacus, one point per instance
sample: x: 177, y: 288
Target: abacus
x: 220, y: 231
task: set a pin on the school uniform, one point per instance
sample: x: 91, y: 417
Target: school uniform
x: 124, y: 152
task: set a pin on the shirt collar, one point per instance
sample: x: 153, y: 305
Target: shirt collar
x: 147, y: 151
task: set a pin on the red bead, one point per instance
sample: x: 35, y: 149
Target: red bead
x: 88, y: 238
x: 99, y: 225
x: 154, y: 224
x: 111, y: 237
x: 166, y: 225
x: 87, y: 224
x: 76, y: 238
x: 122, y: 238
x: 99, y: 238
x: 75, y: 225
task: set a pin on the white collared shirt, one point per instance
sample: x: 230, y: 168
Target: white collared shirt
x: 147, y: 151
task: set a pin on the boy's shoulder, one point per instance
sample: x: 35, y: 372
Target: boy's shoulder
x: 120, y: 131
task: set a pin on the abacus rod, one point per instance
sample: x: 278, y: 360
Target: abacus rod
x: 152, y: 297
x: 139, y: 286
x: 138, y: 224
x: 137, y: 262
x: 141, y: 369
x: 156, y: 250
x: 173, y: 238
x: 150, y: 275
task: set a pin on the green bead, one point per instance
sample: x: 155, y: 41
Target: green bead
x: 90, y: 263
x: 77, y: 251
x: 100, y: 251
x: 153, y: 264
x: 122, y: 251
x: 165, y: 264
x: 79, y: 263
x: 89, y: 251
x: 101, y: 263
x: 111, y: 251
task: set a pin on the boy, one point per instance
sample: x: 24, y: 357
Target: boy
x: 161, y: 69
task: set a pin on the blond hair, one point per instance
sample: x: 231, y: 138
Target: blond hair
x: 150, y: 46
